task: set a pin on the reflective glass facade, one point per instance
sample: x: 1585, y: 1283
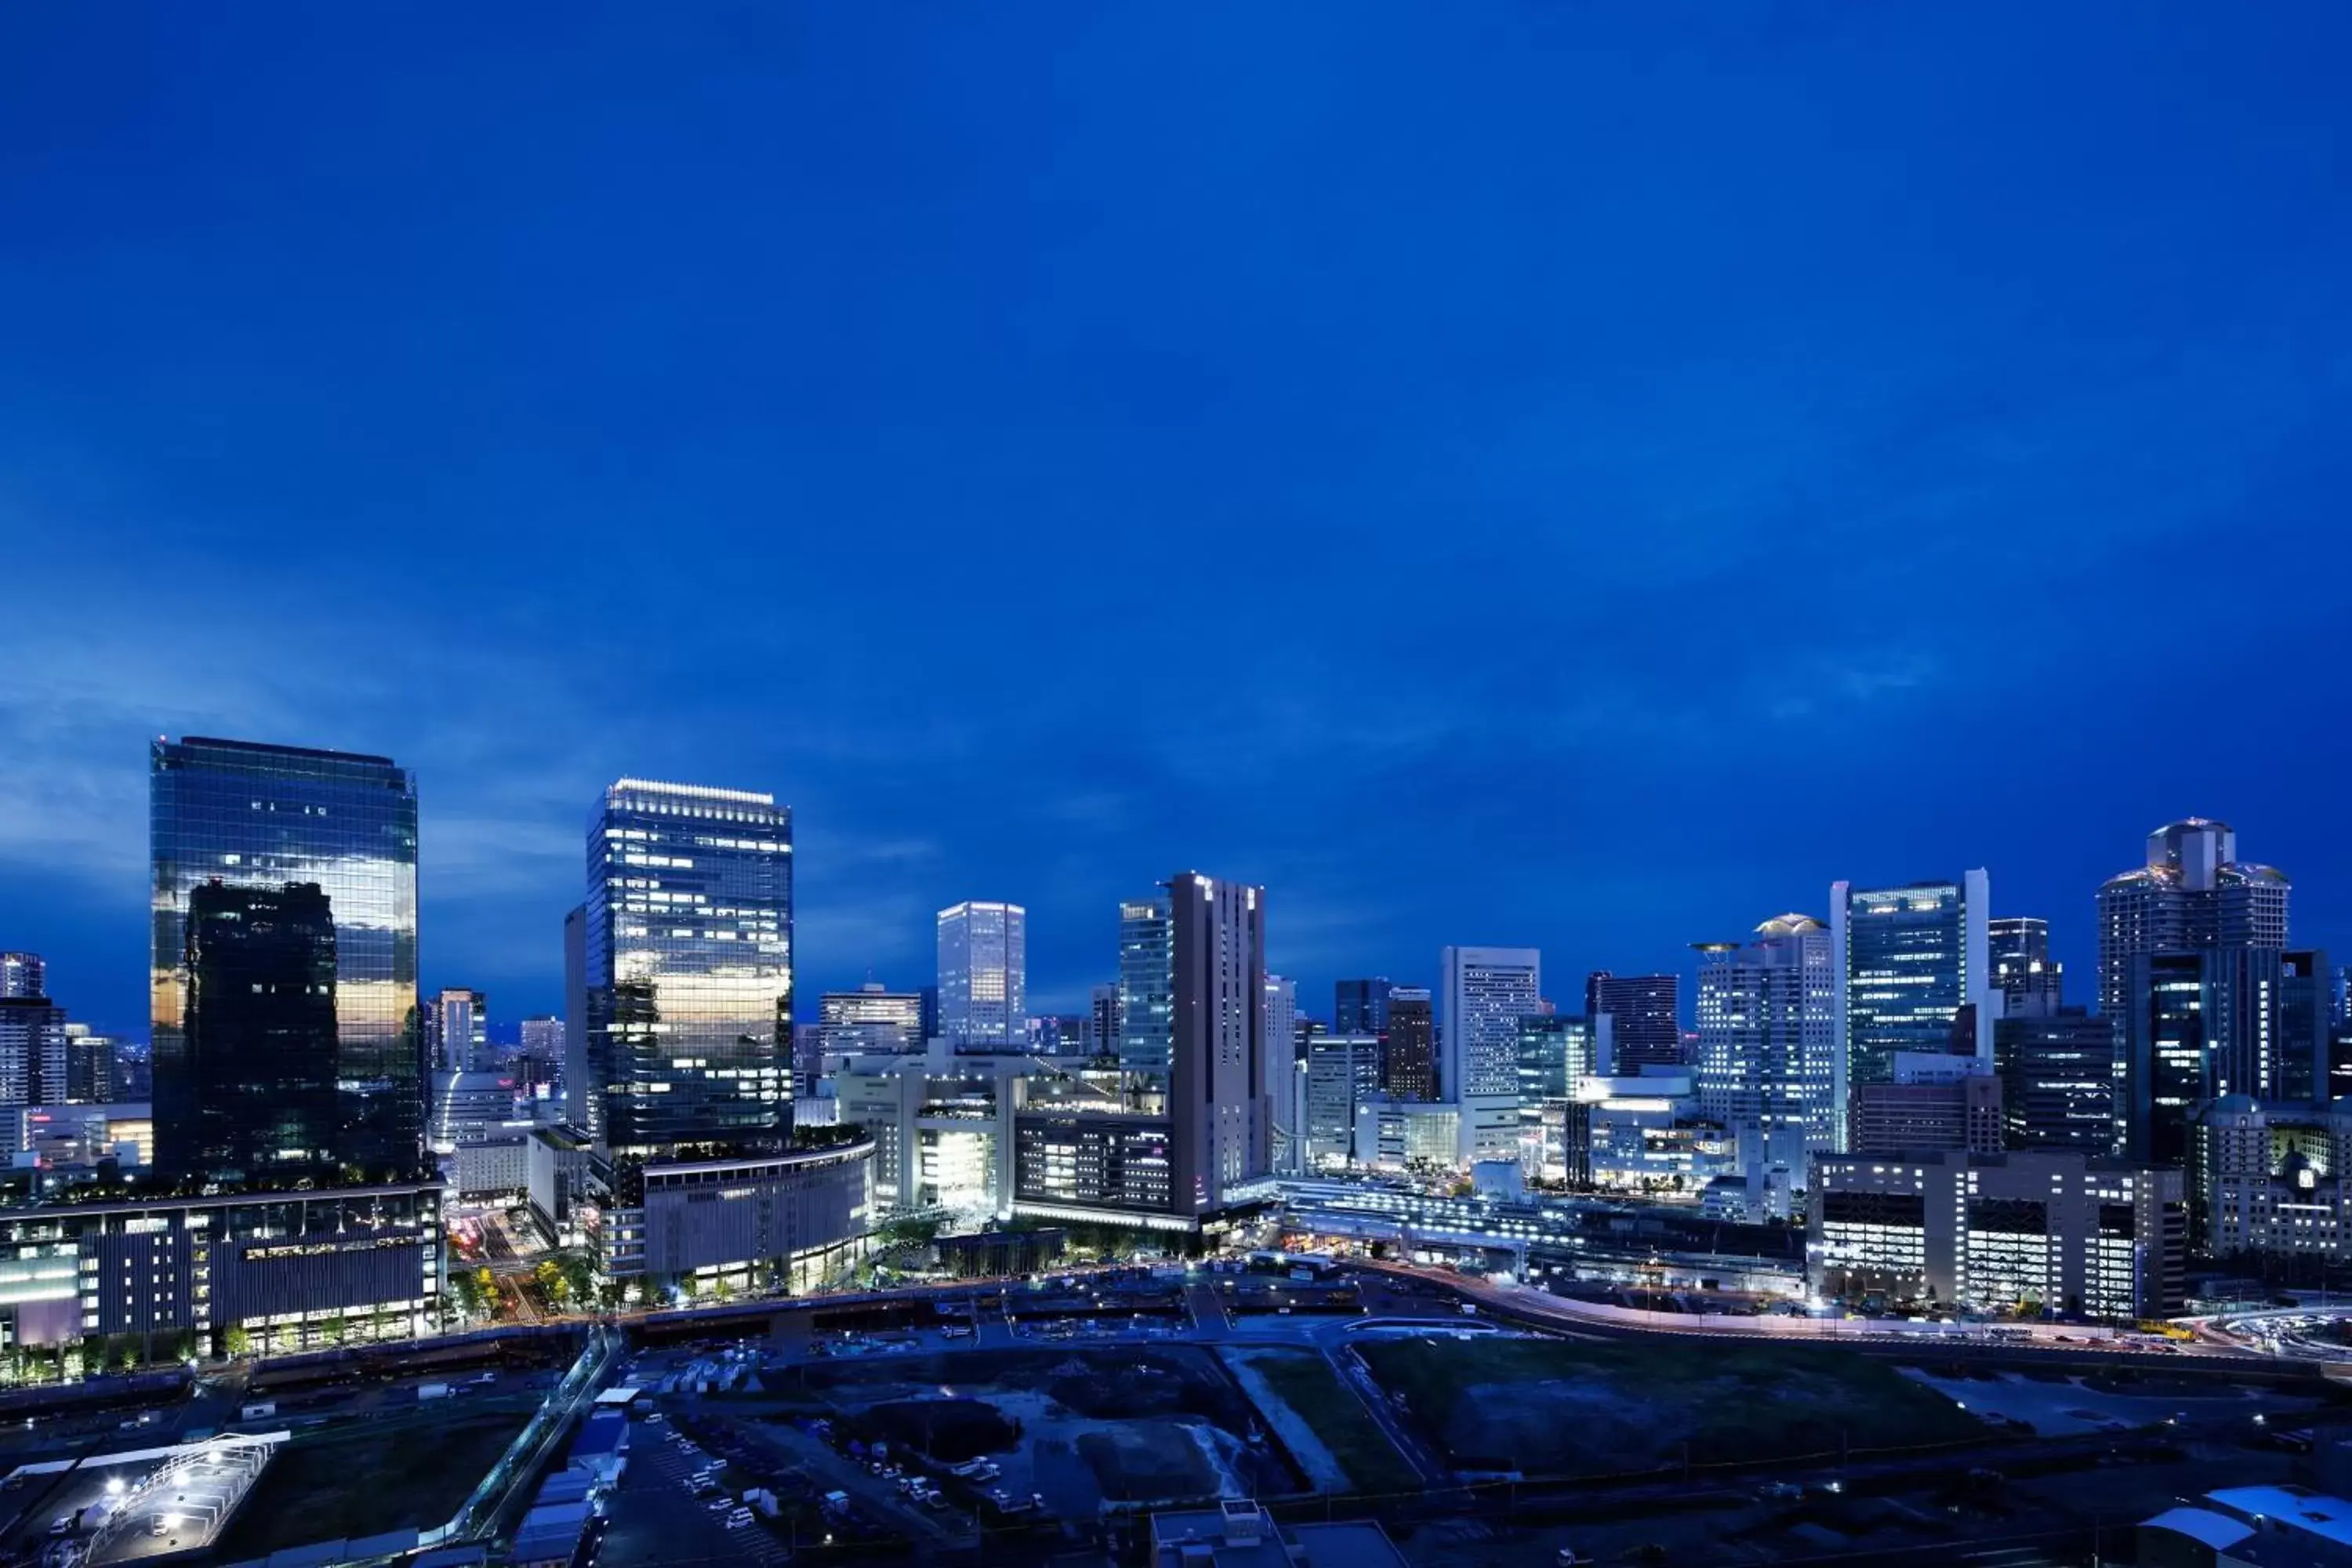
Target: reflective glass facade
x: 284, y: 963
x: 1147, y: 1001
x: 689, y: 970
x: 1360, y: 1006
x: 1908, y: 958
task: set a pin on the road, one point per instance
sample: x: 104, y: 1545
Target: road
x: 499, y: 1500
x: 1525, y: 1301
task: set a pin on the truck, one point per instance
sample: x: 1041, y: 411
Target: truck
x: 260, y: 1411
x: 761, y: 1499
x: 432, y: 1390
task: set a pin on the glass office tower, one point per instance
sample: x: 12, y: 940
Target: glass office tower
x: 983, y: 977
x: 1147, y: 1003
x: 689, y: 971
x: 1908, y: 960
x: 286, y: 1033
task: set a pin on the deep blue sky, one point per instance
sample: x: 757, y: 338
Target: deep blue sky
x: 1577, y: 475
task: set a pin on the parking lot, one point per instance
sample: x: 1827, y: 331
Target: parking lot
x: 662, y: 1513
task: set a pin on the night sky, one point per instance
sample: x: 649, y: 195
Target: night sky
x: 1573, y: 475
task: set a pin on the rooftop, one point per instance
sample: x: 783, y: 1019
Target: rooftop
x: 2289, y: 1508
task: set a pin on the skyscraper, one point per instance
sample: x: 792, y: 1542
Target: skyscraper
x: 1216, y: 1073
x: 2193, y: 892
x: 34, y: 1044
x: 2057, y: 1079
x: 584, y: 1092
x: 301, y: 857
x: 21, y: 974
x: 1281, y: 1071
x: 1102, y: 1021
x: 34, y: 1050
x: 1767, y: 1041
x: 457, y: 1032
x: 1644, y: 1014
x: 1555, y: 1055
x: 1147, y: 969
x: 1342, y: 1074
x: 1907, y: 961
x: 690, y: 970
x: 542, y: 1037
x: 983, y: 977
x: 1488, y: 991
x: 2206, y: 1022
x: 1360, y: 1006
x: 1192, y: 1047
x: 1408, y: 1055
x: 257, y: 1035
x: 2029, y: 980
x: 870, y: 1021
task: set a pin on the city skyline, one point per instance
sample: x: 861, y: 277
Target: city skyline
x: 1791, y: 460
x: 1072, y: 997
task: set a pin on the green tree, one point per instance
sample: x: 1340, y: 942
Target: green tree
x: 235, y: 1341
x: 908, y: 1233
x: 334, y: 1328
x: 555, y: 1289
x: 723, y: 1290
x: 579, y: 1273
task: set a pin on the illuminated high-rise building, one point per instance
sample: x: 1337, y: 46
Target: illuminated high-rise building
x: 457, y: 1032
x: 1488, y: 991
x: 871, y: 1021
x: 286, y: 1040
x: 1193, y: 1049
x: 1644, y: 1017
x: 21, y: 974
x: 1285, y: 1140
x: 2193, y: 892
x: 1409, y: 1045
x: 983, y: 977
x: 688, y: 957
x: 2031, y: 983
x: 1908, y: 960
x: 1767, y: 1041
x: 1102, y: 1022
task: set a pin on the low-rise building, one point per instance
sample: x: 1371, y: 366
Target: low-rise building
x: 1644, y: 1133
x: 2249, y: 1527
x: 941, y: 1124
x: 794, y: 1221
x: 1402, y: 1134
x: 290, y: 1269
x: 2051, y: 1230
x: 1084, y: 1165
x: 490, y: 1167
x: 1241, y: 1534
x: 77, y: 1134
